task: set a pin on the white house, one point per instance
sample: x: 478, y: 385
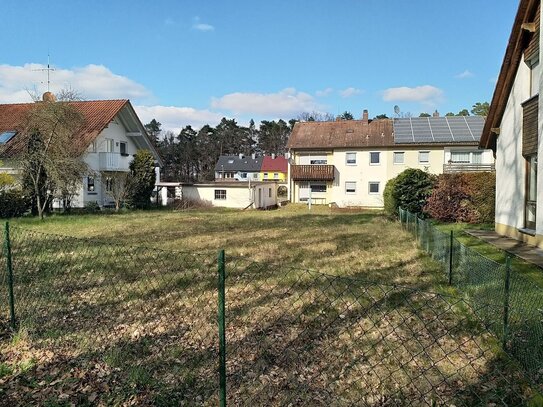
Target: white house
x: 348, y: 162
x: 110, y: 135
x: 256, y: 195
x: 512, y: 130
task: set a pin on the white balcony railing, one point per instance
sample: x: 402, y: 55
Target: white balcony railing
x: 112, y: 162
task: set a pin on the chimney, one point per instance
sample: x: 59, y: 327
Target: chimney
x: 365, y: 118
x: 253, y: 156
x: 273, y: 156
x: 49, y: 97
x: 435, y: 114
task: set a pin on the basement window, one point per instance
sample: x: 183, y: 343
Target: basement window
x: 220, y: 194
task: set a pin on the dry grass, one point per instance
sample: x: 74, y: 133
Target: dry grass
x: 114, y: 324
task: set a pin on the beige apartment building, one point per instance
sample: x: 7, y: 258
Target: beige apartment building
x: 349, y: 162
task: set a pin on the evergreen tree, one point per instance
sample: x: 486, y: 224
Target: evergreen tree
x: 141, y: 179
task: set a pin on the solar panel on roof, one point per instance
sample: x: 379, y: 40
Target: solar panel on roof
x: 7, y: 136
x: 453, y: 129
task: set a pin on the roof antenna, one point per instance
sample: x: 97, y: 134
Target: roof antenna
x: 48, y: 70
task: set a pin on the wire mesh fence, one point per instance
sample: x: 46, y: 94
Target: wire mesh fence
x: 507, y: 301
x: 114, y: 325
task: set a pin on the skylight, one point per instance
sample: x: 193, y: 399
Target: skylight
x: 7, y: 136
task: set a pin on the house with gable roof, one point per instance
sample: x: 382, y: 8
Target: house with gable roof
x: 348, y: 162
x: 512, y: 129
x: 110, y: 135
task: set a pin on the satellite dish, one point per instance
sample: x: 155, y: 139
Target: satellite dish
x: 397, y: 109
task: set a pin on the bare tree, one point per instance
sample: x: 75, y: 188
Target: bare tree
x: 316, y: 117
x: 116, y: 186
x: 52, y: 159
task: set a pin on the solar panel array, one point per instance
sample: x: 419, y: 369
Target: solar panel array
x: 448, y: 129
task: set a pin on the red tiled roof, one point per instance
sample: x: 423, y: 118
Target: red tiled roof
x: 277, y: 164
x: 344, y: 133
x: 97, y: 114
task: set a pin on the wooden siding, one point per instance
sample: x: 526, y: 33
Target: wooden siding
x: 532, y: 50
x: 529, y: 126
x: 312, y: 172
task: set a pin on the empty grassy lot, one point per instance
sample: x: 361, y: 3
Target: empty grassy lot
x: 129, y: 317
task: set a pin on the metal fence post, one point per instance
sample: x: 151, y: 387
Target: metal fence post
x: 222, y: 333
x: 451, y: 258
x: 9, y: 269
x: 506, y: 301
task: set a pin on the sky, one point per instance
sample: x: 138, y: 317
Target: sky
x: 190, y: 62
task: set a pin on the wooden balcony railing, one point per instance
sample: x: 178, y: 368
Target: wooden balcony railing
x: 312, y: 172
x: 461, y: 167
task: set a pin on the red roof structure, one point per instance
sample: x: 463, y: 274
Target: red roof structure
x: 274, y: 164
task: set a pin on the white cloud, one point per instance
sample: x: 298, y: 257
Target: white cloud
x: 426, y: 94
x: 466, y: 74
x: 91, y: 81
x: 198, y: 25
x: 287, y: 102
x: 345, y: 93
x: 324, y: 92
x: 175, y: 118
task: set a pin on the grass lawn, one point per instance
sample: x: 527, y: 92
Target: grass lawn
x: 107, y: 322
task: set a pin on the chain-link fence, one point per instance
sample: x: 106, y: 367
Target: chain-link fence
x: 514, y: 303
x: 114, y: 325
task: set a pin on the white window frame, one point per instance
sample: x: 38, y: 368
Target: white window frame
x: 424, y: 152
x: 220, y: 195
x: 91, y: 183
x: 350, y: 161
x: 398, y: 154
x: 311, y: 185
x: 378, y: 187
x: 276, y: 175
x: 351, y: 190
x: 110, y: 145
x: 378, y: 157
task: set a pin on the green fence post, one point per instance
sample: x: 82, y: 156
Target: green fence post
x: 506, y: 301
x: 222, y: 333
x: 9, y: 269
x: 451, y: 258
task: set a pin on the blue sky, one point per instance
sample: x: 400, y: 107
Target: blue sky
x: 193, y: 62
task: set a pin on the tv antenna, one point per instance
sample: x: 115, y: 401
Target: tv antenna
x: 48, y: 70
x: 397, y: 110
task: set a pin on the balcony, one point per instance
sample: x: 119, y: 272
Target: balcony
x: 112, y: 162
x: 466, y: 167
x: 312, y: 172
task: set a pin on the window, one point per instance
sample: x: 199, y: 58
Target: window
x: 90, y: 184
x: 255, y: 175
x: 123, y: 149
x: 319, y: 161
x: 109, y: 145
x: 373, y: 187
x: 109, y: 184
x: 399, y: 157
x: 375, y: 158
x: 269, y: 192
x: 461, y: 157
x: 318, y: 188
x: 350, y: 158
x: 477, y: 157
x: 244, y: 175
x: 350, y: 187
x: 7, y: 136
x: 275, y: 175
x: 531, y: 192
x: 230, y: 161
x: 220, y: 194
x: 424, y: 157
x: 92, y: 147
x: 265, y: 175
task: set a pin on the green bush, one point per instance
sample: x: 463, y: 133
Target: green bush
x: 412, y: 188
x: 390, y: 204
x: 463, y: 197
x: 141, y: 180
x: 13, y: 203
x: 92, y: 207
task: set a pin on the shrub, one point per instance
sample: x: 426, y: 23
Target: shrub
x: 390, y: 204
x: 92, y: 207
x: 463, y: 197
x: 412, y: 188
x: 141, y: 180
x: 13, y: 203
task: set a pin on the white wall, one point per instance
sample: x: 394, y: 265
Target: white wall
x: 236, y: 196
x: 510, y: 164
